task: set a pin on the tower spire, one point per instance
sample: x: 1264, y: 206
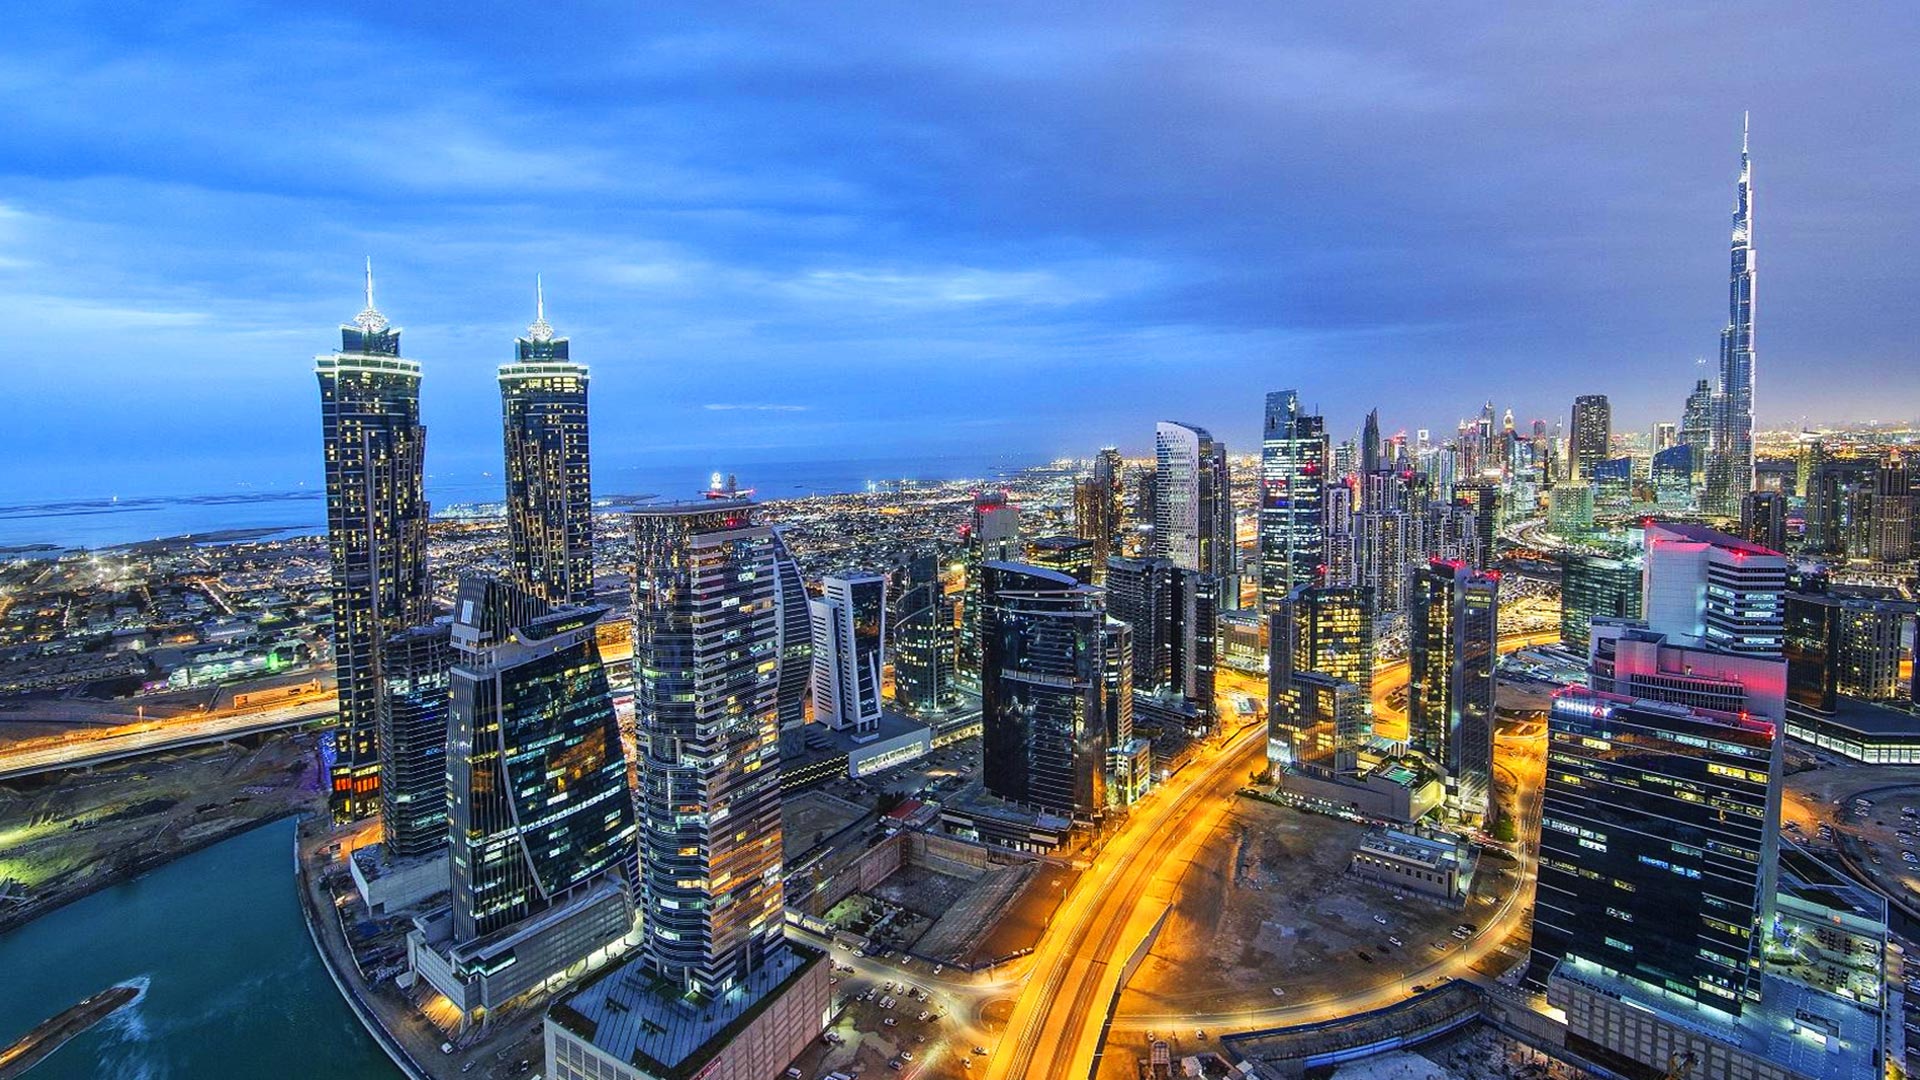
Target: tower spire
x: 540, y: 330
x: 370, y: 321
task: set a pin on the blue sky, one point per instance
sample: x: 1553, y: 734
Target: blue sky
x: 875, y: 230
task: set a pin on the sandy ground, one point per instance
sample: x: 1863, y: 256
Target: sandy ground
x: 63, y: 838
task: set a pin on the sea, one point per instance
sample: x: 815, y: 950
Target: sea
x: 48, y: 521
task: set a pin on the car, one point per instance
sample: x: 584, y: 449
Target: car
x: 938, y: 968
x: 793, y: 1074
x: 1368, y: 957
x: 446, y: 1048
x: 1396, y: 943
x: 895, y: 1065
x: 906, y: 1055
x: 980, y: 1050
x: 1419, y: 988
x: 890, y: 1022
x: 1278, y: 992
x: 1381, y: 919
x: 924, y: 1016
x: 1201, y: 1035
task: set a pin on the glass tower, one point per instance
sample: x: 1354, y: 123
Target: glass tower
x: 543, y: 402
x: 707, y: 669
x: 1042, y: 689
x: 375, y: 451
x: 1452, y: 632
x: 1192, y: 511
x: 539, y: 804
x: 1293, y: 492
x: 415, y: 672
x: 1657, y: 845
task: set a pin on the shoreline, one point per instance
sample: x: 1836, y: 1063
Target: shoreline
x: 382, y: 1038
x: 144, y: 864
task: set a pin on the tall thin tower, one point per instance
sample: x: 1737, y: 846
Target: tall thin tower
x: 1730, y: 461
x: 543, y: 406
x: 375, y: 451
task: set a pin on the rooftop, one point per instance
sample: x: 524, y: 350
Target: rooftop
x: 1700, y: 534
x: 638, y: 1018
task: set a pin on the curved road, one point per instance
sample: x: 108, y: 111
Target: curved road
x: 1072, y: 978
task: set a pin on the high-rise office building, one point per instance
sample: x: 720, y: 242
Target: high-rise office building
x: 415, y: 671
x: 706, y: 665
x: 1892, y: 513
x: 543, y: 403
x: 1452, y: 646
x: 1696, y: 427
x: 1140, y: 594
x: 539, y: 814
x: 1763, y: 518
x: 795, y: 644
x: 1592, y: 435
x: 1671, y: 892
x: 1730, y: 458
x: 1071, y: 555
x: 1192, y: 510
x: 1841, y: 647
x: 849, y: 635
x: 1098, y: 504
x: 537, y: 778
x: 1370, y: 459
x: 1174, y: 616
x: 716, y: 990
x: 1483, y: 498
x: 1715, y: 589
x: 375, y: 451
x: 1042, y: 692
x: 992, y: 534
x: 1320, y: 676
x: 923, y: 644
x: 1293, y: 486
x: 1595, y: 586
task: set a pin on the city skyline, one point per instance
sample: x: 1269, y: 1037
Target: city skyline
x: 794, y: 269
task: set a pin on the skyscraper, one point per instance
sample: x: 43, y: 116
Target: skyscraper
x: 1140, y: 594
x: 1098, y: 501
x: 705, y: 657
x: 923, y: 642
x: 1452, y: 632
x: 415, y: 672
x: 1696, y: 426
x: 795, y: 643
x: 1730, y: 459
x: 1320, y: 676
x: 537, y: 776
x: 1043, y: 690
x: 541, y: 821
x: 1293, y: 485
x: 375, y: 452
x: 1763, y: 518
x: 1592, y: 433
x: 1370, y: 461
x: 1595, y: 586
x: 849, y: 632
x: 1192, y: 510
x: 992, y: 534
x: 1636, y: 882
x: 543, y: 403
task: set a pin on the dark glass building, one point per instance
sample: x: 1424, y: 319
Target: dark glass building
x: 375, y: 450
x: 1293, y: 494
x: 543, y: 403
x: 923, y: 644
x: 795, y: 644
x: 1591, y: 586
x: 1657, y: 845
x: 1071, y: 555
x: 537, y: 779
x: 1452, y: 646
x: 707, y: 674
x: 1043, y: 688
x: 416, y: 667
x: 992, y: 533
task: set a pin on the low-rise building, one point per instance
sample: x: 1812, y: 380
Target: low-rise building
x: 1439, y: 866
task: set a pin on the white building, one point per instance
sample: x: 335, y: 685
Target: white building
x: 1705, y: 587
x: 849, y: 651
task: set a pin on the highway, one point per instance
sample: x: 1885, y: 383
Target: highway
x: 1074, y: 974
x: 132, y: 740
x: 1073, y: 977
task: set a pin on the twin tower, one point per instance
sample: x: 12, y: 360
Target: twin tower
x: 377, y: 509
